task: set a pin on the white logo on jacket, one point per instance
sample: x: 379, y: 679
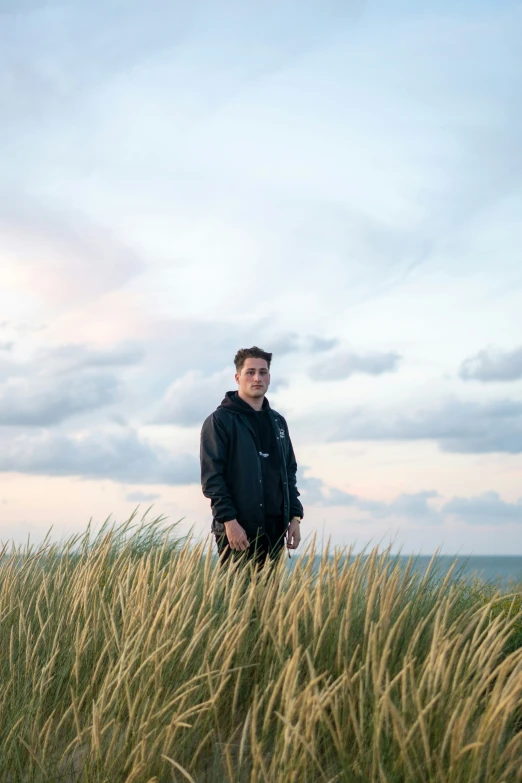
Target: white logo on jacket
x: 281, y: 433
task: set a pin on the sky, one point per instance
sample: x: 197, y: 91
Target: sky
x: 339, y: 183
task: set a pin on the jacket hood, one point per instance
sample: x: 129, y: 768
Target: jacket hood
x: 233, y: 402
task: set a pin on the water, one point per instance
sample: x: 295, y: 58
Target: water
x: 501, y: 570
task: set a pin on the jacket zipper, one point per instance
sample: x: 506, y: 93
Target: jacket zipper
x: 277, y: 428
x: 259, y: 468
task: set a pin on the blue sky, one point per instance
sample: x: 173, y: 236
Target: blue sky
x: 338, y: 183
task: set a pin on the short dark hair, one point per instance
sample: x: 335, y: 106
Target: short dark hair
x: 251, y: 353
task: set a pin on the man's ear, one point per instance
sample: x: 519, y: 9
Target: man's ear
x: 236, y: 376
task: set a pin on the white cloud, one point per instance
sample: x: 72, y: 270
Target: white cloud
x: 346, y: 363
x: 141, y: 497
x: 493, y: 364
x: 415, y: 505
x: 119, y: 455
x: 72, y: 356
x: 463, y: 426
x: 189, y: 400
x: 44, y: 399
x: 292, y: 342
x: 485, y: 509
x: 61, y: 254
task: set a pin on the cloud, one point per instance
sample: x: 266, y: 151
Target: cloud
x: 121, y: 456
x: 413, y: 505
x: 285, y: 343
x: 190, y: 399
x: 292, y: 342
x: 7, y: 368
x: 72, y: 356
x: 317, y: 344
x: 162, y: 350
x: 467, y: 427
x: 178, y: 346
x: 6, y: 345
x: 485, y: 509
x: 141, y: 497
x: 345, y: 364
x: 493, y: 364
x: 61, y: 381
x: 47, y: 45
x: 62, y: 254
x: 42, y: 400
x: 316, y: 492
x: 459, y: 426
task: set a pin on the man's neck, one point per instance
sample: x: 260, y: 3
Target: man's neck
x: 255, y: 402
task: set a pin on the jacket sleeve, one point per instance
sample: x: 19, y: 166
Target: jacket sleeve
x: 213, y: 456
x: 296, y: 507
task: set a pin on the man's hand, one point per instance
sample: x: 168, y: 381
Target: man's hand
x: 237, y: 538
x: 293, y: 534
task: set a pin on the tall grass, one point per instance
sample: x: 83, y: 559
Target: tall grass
x: 132, y: 657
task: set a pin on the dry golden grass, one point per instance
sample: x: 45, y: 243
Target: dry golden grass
x: 130, y: 658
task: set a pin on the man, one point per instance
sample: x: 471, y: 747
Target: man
x: 248, y: 468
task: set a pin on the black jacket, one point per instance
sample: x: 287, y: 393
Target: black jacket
x: 231, y: 471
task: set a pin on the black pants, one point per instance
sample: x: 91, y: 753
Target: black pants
x: 267, y: 545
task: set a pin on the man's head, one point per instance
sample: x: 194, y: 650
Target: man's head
x: 252, y: 372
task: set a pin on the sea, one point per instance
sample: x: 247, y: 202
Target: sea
x: 502, y: 571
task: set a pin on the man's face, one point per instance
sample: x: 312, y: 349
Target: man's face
x: 254, y: 378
